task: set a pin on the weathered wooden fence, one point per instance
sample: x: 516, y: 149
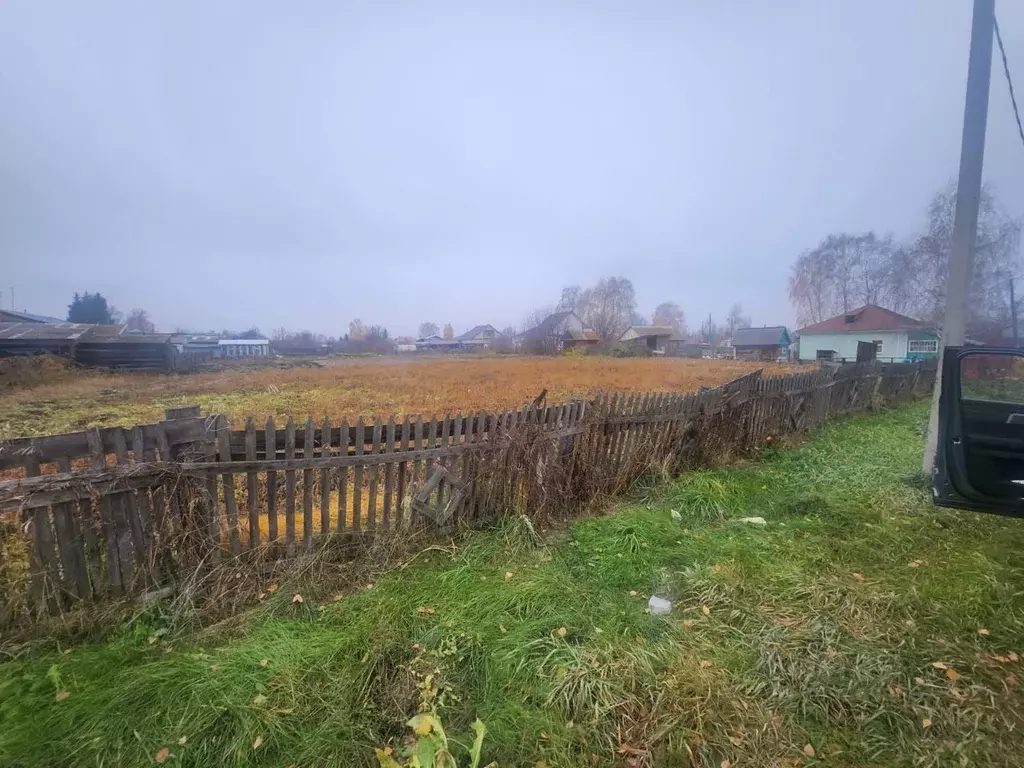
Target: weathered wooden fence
x: 115, y: 512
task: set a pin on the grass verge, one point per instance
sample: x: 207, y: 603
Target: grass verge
x: 858, y: 626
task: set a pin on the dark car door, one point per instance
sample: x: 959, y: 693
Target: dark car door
x: 980, y: 459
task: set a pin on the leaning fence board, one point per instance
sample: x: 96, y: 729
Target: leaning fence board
x: 131, y: 544
x: 417, y: 464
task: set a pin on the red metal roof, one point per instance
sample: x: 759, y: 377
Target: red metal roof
x: 866, y: 318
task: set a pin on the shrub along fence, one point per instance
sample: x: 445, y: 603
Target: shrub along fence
x: 119, y: 512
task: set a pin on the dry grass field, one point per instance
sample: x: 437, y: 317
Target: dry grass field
x: 52, y: 399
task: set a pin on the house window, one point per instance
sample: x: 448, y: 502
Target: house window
x: 825, y: 354
x: 924, y: 345
x: 878, y: 346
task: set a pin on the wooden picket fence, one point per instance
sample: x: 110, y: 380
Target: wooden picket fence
x: 117, y: 512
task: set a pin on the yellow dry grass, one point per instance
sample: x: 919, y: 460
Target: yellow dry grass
x: 381, y: 386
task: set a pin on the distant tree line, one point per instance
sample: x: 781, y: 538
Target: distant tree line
x: 848, y: 270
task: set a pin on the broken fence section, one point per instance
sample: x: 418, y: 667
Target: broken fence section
x: 117, y: 512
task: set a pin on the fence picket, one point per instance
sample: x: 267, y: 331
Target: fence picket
x: 389, y: 474
x: 289, y: 487
x: 228, y: 480
x: 308, y: 446
x: 98, y: 460
x: 270, y: 452
x: 326, y: 436
x: 252, y: 495
x: 343, y: 442
x: 374, y: 476
x: 357, y: 477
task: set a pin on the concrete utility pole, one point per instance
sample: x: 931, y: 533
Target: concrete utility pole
x: 1013, y: 316
x: 968, y: 198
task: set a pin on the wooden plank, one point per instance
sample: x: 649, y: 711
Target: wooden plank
x: 389, y: 473
x: 308, y: 446
x: 228, y: 480
x: 272, y: 532
x: 325, y: 478
x: 70, y: 544
x: 44, y: 582
x: 97, y: 460
x: 428, y: 464
x: 76, y: 445
x: 374, y: 472
x: 92, y: 551
x: 252, y: 493
x: 289, y: 488
x: 343, y: 480
x: 460, y: 426
x: 357, y: 477
x: 403, y: 469
x: 417, y: 465
x: 139, y: 454
x: 131, y: 544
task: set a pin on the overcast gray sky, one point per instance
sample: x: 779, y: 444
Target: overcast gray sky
x: 299, y: 164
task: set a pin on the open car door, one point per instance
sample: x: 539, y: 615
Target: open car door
x: 980, y: 460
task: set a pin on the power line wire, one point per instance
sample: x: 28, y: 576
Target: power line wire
x: 1009, y: 80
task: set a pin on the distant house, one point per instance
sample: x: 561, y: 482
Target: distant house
x: 895, y: 337
x: 436, y: 343
x: 769, y: 343
x: 556, y: 333
x: 216, y: 347
x: 657, y: 338
x: 10, y: 316
x: 478, y: 337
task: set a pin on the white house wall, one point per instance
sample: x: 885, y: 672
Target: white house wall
x: 894, y: 344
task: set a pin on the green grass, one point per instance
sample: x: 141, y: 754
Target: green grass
x: 821, y: 628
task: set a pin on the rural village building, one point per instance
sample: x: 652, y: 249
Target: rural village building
x: 769, y: 343
x: 558, y: 332
x: 99, y: 346
x: 657, y: 338
x: 896, y: 337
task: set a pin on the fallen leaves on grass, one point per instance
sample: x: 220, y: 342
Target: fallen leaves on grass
x: 562, y: 631
x: 952, y: 674
x: 503, y: 628
x: 257, y: 743
x: 272, y: 588
x: 725, y: 764
x: 920, y: 680
x: 62, y: 695
x: 705, y: 664
x: 259, y: 700
x: 264, y: 662
x: 297, y: 598
x: 508, y: 575
x: 424, y: 611
x: 1012, y: 681
x: 183, y: 741
x: 161, y: 756
x: 215, y: 667
x: 939, y: 665
x: 914, y: 564
x: 858, y: 576
x: 809, y: 750
x: 983, y: 631
x: 926, y: 723
x: 705, y: 611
